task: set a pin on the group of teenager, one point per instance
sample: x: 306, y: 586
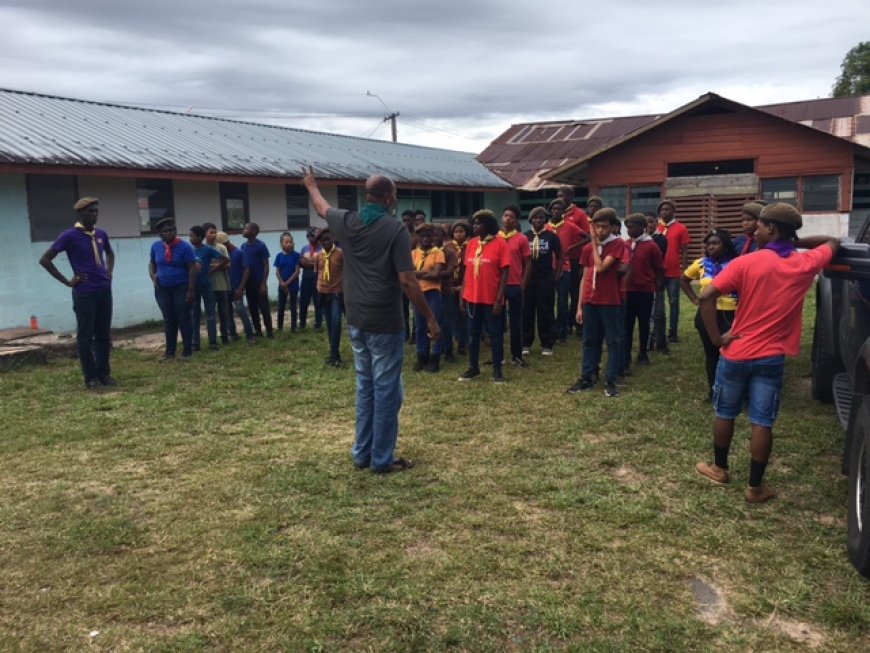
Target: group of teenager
x: 478, y: 279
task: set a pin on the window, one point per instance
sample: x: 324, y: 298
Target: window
x: 527, y: 200
x: 699, y: 168
x: 455, y: 204
x: 50, y: 200
x: 298, y: 216
x: 645, y: 199
x: 861, y: 192
x: 821, y: 193
x: 780, y: 190
x: 155, y: 202
x: 348, y: 198
x: 234, y: 206
x: 616, y: 197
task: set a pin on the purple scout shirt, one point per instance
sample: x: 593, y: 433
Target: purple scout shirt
x: 79, y: 250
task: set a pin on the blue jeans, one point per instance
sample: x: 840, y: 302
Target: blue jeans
x: 377, y: 358
x: 93, y: 332
x: 480, y: 316
x: 204, y: 294
x: 421, y: 327
x: 244, y: 316
x: 563, y: 319
x: 308, y: 294
x: 514, y: 319
x: 333, y: 306
x: 176, y: 317
x: 600, y: 324
x: 762, y: 377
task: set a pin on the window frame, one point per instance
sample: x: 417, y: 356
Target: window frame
x: 169, y: 212
x: 54, y: 216
x: 228, y: 190
x: 296, y: 221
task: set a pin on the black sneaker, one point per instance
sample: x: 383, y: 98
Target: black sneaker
x: 610, y: 390
x: 498, y: 377
x: 470, y: 373
x: 674, y: 339
x: 582, y: 385
x: 642, y: 360
x: 94, y: 384
x: 166, y: 358
x: 108, y: 381
x: 519, y: 362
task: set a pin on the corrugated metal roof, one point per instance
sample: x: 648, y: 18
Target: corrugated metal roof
x: 46, y: 130
x: 522, y: 153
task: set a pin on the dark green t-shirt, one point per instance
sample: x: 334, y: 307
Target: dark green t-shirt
x: 373, y: 258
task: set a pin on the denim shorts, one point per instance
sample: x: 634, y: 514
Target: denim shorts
x: 761, y: 378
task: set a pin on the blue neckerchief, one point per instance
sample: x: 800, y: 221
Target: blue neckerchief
x: 371, y: 213
x: 783, y: 248
x: 712, y: 270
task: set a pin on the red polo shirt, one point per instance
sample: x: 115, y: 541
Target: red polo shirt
x: 481, y: 287
x: 518, y: 251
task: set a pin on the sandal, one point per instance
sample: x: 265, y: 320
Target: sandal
x: 399, y: 465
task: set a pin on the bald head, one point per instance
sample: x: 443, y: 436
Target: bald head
x: 381, y: 190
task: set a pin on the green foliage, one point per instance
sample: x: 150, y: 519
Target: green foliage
x: 213, y: 506
x: 854, y: 76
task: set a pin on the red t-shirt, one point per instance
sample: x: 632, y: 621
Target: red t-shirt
x: 606, y: 284
x: 482, y: 287
x: 569, y: 234
x: 518, y: 251
x: 772, y: 291
x: 645, y: 260
x: 677, y: 236
x: 577, y: 216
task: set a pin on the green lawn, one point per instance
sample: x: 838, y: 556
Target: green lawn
x: 213, y: 506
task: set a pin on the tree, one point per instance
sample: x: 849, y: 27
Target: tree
x: 854, y: 76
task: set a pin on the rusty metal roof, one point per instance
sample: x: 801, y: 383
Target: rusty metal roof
x: 528, y: 150
x: 53, y: 131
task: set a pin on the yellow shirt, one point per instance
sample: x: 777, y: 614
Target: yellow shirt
x: 426, y: 262
x: 696, y: 272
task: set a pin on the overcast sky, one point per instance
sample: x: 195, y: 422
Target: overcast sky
x: 458, y: 71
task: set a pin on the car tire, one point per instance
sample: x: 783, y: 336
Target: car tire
x: 825, y: 366
x: 858, y: 541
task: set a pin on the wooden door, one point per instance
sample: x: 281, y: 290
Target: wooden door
x: 703, y: 213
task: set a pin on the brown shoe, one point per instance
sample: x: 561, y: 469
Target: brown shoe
x: 712, y: 473
x: 759, y: 494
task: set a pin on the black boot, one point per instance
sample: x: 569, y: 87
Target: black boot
x: 422, y: 362
x: 434, y: 364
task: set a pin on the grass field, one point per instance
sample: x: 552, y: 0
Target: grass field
x: 213, y: 506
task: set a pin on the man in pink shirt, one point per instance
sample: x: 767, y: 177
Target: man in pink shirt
x: 772, y: 283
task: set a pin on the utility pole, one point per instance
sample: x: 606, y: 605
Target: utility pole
x: 391, y: 115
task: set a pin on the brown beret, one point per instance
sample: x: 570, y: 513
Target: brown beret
x: 165, y: 222
x: 84, y: 203
x: 535, y: 211
x: 605, y: 215
x: 556, y: 201
x: 783, y: 214
x: 636, y: 218
x: 753, y: 209
x: 483, y: 213
x: 663, y: 202
x: 595, y: 198
x: 426, y: 227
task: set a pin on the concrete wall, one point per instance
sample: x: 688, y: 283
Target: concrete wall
x: 27, y: 289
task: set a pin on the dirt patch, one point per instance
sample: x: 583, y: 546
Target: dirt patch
x: 142, y: 342
x: 423, y: 550
x: 629, y: 476
x: 712, y: 606
x: 831, y: 520
x: 797, y: 631
x: 598, y: 438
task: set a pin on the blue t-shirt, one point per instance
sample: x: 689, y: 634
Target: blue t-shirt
x: 238, y: 264
x: 205, y: 254
x: 287, y: 264
x: 309, y: 273
x: 79, y: 250
x: 256, y: 251
x: 172, y: 273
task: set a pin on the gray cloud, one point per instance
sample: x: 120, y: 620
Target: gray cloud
x: 454, y: 64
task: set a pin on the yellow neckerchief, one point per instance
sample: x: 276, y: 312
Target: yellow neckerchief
x: 460, y: 250
x: 481, y: 242
x: 424, y: 254
x: 664, y: 226
x: 326, y: 255
x: 93, y: 236
x: 555, y: 226
x: 507, y: 235
x: 536, y: 244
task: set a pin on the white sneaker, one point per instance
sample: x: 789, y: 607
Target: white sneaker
x: 546, y: 352
x: 526, y: 351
